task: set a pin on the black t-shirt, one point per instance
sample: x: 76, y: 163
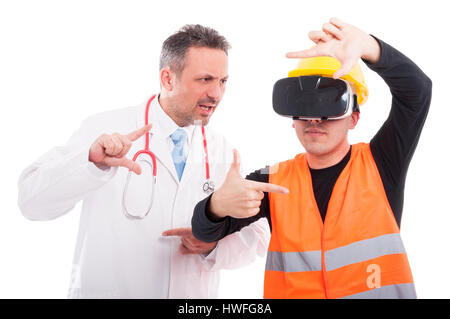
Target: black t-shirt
x: 323, y: 181
x: 392, y: 148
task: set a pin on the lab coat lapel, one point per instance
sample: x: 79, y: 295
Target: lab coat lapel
x: 158, y: 142
x: 159, y: 147
x: 195, y: 161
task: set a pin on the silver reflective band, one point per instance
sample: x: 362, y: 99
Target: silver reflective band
x: 294, y: 261
x: 336, y: 258
x: 399, y: 291
x: 364, y: 250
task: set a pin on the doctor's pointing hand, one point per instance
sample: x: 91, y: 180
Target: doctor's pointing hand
x: 110, y: 150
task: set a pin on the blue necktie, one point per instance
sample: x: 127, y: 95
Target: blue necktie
x: 179, y: 158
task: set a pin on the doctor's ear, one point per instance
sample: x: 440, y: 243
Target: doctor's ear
x: 167, y: 78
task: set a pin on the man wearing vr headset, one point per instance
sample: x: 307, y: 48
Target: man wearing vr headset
x: 336, y: 233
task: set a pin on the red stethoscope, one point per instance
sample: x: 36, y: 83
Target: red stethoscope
x: 208, y: 186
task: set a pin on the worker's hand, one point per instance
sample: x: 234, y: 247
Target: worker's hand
x: 238, y: 197
x: 190, y: 244
x: 342, y: 41
x: 110, y: 150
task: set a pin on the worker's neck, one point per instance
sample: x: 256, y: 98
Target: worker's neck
x: 324, y: 160
x: 166, y: 106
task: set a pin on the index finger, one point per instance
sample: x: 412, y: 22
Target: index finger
x: 267, y: 187
x: 308, y: 53
x: 133, y: 136
x: 178, y: 232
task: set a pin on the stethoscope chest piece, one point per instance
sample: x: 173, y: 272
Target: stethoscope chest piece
x: 208, y: 187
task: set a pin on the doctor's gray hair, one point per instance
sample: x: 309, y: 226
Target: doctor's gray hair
x: 191, y: 35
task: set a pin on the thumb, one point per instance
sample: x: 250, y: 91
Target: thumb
x: 235, y: 168
x: 346, y: 67
x: 124, y: 162
x: 236, y: 161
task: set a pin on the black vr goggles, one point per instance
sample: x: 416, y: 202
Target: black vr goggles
x: 314, y: 98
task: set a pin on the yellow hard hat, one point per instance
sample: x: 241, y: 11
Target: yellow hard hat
x: 327, y: 66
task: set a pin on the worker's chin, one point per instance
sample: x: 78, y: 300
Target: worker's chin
x: 316, y: 148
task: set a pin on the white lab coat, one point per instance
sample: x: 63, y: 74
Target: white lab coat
x: 116, y: 257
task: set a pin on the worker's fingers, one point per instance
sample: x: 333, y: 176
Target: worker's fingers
x: 178, y: 232
x: 317, y: 36
x: 337, y: 23
x: 333, y: 30
x: 259, y: 195
x: 267, y: 187
x: 251, y: 204
x: 133, y: 136
x: 254, y: 195
x: 253, y: 211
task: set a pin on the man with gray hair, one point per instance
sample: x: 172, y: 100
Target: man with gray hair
x: 135, y: 239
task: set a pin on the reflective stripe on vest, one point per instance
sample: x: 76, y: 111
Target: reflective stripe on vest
x: 294, y: 261
x: 403, y: 291
x: 364, y: 250
x: 339, y: 257
x: 356, y: 253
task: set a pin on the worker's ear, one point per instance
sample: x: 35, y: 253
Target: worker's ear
x: 167, y: 77
x: 354, y: 120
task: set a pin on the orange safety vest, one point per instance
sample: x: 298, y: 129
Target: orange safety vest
x: 356, y: 253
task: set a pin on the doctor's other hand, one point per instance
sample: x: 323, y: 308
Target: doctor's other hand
x: 110, y: 150
x: 342, y: 41
x: 190, y: 244
x: 238, y: 197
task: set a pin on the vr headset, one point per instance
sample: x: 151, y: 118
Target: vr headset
x: 314, y: 98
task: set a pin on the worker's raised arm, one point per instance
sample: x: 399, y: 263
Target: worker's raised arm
x: 395, y: 142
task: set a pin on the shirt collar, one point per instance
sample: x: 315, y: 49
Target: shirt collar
x: 167, y: 125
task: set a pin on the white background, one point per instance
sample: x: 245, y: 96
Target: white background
x: 62, y: 61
